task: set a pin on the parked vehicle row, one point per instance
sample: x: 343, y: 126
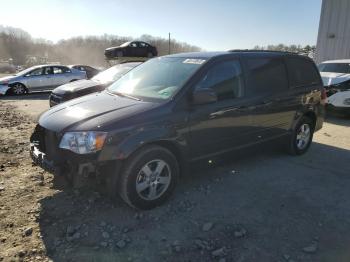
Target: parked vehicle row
x: 141, y: 132
x: 336, y: 79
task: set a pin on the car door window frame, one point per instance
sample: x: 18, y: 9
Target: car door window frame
x: 211, y: 66
x: 51, y: 70
x: 30, y: 73
x: 250, y: 81
x: 287, y: 62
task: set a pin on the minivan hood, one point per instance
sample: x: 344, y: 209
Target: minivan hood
x: 75, y: 86
x: 91, y: 112
x: 330, y: 78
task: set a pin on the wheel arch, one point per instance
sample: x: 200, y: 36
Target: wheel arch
x: 169, y: 145
x: 18, y: 82
x: 175, y: 150
x: 312, y: 116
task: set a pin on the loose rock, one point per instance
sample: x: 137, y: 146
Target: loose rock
x: 312, y: 248
x: 121, y: 244
x: 105, y: 235
x: 207, y: 226
x: 28, y: 231
x: 219, y: 252
x: 21, y: 253
x: 70, y: 230
x: 103, y: 244
x: 240, y: 232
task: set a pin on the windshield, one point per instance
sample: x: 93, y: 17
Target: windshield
x: 158, y: 78
x: 125, y: 44
x: 114, y: 73
x: 335, y: 67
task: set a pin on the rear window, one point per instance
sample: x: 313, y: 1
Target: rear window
x: 267, y: 75
x: 335, y: 67
x: 302, y: 72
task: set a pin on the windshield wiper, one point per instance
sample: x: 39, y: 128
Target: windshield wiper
x: 126, y: 95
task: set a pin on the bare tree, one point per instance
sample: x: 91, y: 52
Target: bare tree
x: 19, y: 45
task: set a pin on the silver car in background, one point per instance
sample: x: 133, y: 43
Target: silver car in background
x: 39, y: 78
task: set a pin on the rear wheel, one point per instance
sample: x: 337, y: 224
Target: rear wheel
x: 18, y: 89
x: 301, y: 137
x: 149, y: 177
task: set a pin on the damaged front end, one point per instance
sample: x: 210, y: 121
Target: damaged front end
x: 46, y: 152
x: 339, y: 87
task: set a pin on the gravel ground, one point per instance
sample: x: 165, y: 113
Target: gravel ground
x: 263, y: 205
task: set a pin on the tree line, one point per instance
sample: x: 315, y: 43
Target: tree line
x: 18, y: 45
x: 306, y: 50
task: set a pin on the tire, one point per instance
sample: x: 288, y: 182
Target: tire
x: 120, y: 54
x: 301, y: 137
x: 139, y: 184
x: 18, y: 89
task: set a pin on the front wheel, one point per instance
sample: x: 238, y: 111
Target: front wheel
x: 18, y: 89
x: 301, y: 137
x: 149, y: 177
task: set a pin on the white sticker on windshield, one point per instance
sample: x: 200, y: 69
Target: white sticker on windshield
x: 194, y: 61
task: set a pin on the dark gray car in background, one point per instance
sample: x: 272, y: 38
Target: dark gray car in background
x: 87, y: 86
x: 131, y: 49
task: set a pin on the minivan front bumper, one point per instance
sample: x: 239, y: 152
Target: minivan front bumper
x: 45, y: 152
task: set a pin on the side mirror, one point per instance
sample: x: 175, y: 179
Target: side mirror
x: 204, y: 96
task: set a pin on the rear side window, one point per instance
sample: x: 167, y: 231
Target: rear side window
x: 335, y: 67
x: 302, y: 72
x: 267, y: 75
x: 57, y: 70
x: 225, y: 78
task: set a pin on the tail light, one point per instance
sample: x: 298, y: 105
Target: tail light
x: 323, y: 96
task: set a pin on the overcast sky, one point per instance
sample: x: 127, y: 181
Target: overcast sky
x: 210, y: 24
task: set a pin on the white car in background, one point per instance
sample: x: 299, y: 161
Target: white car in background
x: 39, y: 78
x: 336, y: 79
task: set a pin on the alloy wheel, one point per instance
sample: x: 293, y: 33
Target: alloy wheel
x: 18, y: 89
x: 153, y: 179
x: 303, y: 136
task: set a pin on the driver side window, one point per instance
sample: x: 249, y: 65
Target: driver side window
x: 225, y: 78
x: 35, y: 72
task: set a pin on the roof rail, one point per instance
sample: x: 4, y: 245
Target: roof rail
x: 260, y: 50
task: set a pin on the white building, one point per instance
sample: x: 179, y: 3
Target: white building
x: 333, y: 41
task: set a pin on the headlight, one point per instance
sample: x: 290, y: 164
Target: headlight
x: 83, y: 142
x: 347, y: 101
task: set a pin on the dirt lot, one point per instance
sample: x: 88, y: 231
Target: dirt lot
x: 261, y: 206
